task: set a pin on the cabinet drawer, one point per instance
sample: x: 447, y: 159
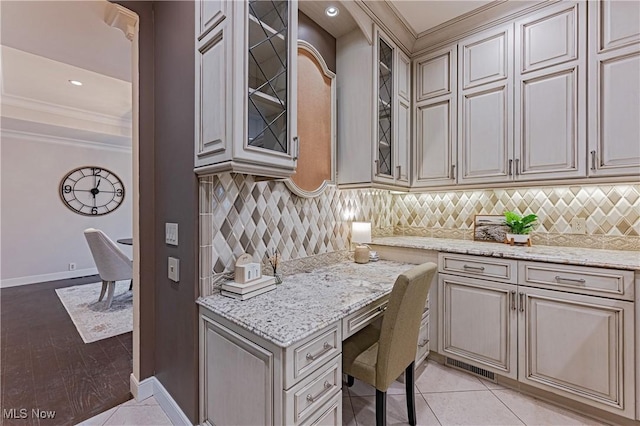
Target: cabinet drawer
x: 313, y: 392
x: 309, y: 354
x: 329, y: 415
x: 423, y: 339
x: 578, y: 279
x: 363, y: 317
x: 479, y: 266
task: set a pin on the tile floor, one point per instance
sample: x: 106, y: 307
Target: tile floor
x: 444, y: 396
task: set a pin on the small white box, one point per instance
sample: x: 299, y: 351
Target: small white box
x: 247, y: 273
x: 174, y: 269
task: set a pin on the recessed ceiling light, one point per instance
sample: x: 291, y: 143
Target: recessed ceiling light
x: 332, y: 11
x: 75, y: 82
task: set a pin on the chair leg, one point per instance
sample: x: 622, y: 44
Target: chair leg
x: 381, y: 408
x: 349, y: 381
x: 112, y: 288
x: 104, y: 288
x: 409, y: 381
x: 131, y: 285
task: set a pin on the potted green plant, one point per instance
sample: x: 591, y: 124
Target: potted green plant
x: 520, y: 226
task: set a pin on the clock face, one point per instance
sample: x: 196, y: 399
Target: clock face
x: 92, y: 191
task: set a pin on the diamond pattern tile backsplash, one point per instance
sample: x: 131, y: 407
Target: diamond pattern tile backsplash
x: 239, y: 214
x: 612, y: 213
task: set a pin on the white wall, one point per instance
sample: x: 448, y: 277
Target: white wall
x: 39, y: 235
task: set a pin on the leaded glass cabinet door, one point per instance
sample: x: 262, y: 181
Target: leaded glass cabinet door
x: 269, y: 62
x: 385, y: 109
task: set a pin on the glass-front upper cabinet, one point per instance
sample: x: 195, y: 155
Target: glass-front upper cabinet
x: 385, y: 109
x: 267, y: 63
x: 250, y: 97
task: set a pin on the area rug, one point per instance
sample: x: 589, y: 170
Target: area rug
x: 92, y: 320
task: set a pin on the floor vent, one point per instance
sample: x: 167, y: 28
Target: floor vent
x: 471, y: 369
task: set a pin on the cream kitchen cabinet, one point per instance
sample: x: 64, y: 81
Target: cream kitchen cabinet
x: 550, y: 93
x: 435, y: 114
x: 614, y: 104
x: 478, y: 319
x: 247, y: 380
x: 374, y: 112
x: 245, y: 71
x: 579, y: 347
x: 568, y: 330
x: 485, y: 100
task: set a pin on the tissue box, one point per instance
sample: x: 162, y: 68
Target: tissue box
x: 247, y: 273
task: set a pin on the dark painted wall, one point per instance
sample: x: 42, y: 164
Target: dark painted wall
x: 168, y: 193
x: 176, y: 189
x: 324, y: 42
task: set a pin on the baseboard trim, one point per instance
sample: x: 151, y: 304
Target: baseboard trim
x: 152, y: 387
x: 141, y: 390
x: 34, y: 279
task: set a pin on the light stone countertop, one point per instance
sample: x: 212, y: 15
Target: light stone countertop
x: 308, y: 302
x: 554, y: 254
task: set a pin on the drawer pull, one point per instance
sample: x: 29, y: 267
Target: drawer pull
x: 473, y: 268
x: 325, y: 348
x: 513, y: 300
x: 423, y: 343
x: 521, y: 302
x: 382, y: 308
x: 571, y: 280
x: 326, y: 388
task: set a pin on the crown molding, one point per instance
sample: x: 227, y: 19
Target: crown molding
x: 59, y: 140
x: 402, y: 19
x: 389, y: 21
x: 123, y: 19
x: 66, y: 111
x: 489, y: 15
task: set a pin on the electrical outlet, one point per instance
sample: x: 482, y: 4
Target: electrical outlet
x: 72, y: 266
x: 174, y: 269
x: 579, y: 225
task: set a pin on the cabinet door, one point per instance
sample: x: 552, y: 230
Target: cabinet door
x: 614, y: 104
x: 385, y: 110
x: 477, y: 323
x: 550, y: 95
x: 485, y: 105
x: 485, y: 129
x: 210, y: 13
x: 213, y: 99
x: 403, y: 142
x: 435, y: 142
x: 580, y: 347
x: 238, y: 378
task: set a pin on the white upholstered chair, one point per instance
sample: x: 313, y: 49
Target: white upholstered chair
x: 113, y: 265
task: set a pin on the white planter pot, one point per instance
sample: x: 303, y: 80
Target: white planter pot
x: 518, y: 238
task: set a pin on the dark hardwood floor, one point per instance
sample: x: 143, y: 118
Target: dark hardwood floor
x: 45, y: 365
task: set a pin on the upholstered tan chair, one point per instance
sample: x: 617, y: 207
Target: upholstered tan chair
x: 113, y: 265
x: 380, y: 352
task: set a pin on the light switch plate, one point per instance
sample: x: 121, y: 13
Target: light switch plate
x: 174, y: 269
x: 171, y: 233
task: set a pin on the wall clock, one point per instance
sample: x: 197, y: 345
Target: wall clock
x: 92, y: 191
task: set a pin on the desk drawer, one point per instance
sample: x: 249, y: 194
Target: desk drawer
x: 363, y: 317
x: 578, y: 279
x: 328, y: 415
x: 492, y: 268
x: 423, y: 339
x: 313, y: 392
x: 304, y: 357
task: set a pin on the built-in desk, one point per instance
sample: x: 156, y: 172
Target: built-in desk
x: 276, y: 358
